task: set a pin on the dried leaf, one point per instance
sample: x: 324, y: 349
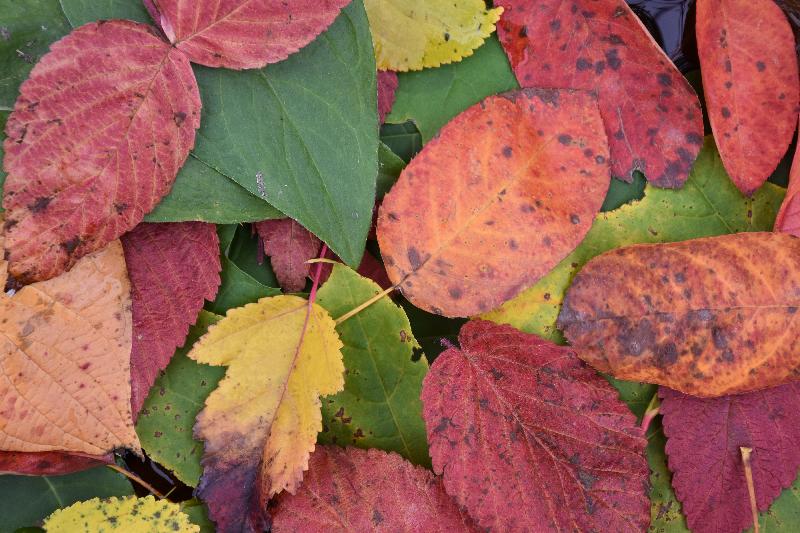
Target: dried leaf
x: 707, y: 317
x: 507, y: 190
x: 651, y: 114
x: 751, y: 84
x: 241, y: 34
x: 127, y: 515
x: 288, y: 245
x: 79, y: 179
x: 348, y: 489
x: 387, y: 85
x: 417, y: 34
x: 529, y: 438
x: 789, y: 216
x: 261, y: 422
x: 703, y: 441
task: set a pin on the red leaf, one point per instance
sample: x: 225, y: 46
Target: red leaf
x: 788, y: 220
x: 528, y: 438
x: 387, y: 85
x: 95, y: 140
x: 703, y: 440
x: 48, y: 463
x: 173, y: 268
x: 350, y: 489
x: 750, y: 83
x: 369, y: 268
x: 652, y: 116
x: 289, y: 245
x: 242, y: 34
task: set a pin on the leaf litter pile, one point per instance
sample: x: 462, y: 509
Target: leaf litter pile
x: 384, y: 265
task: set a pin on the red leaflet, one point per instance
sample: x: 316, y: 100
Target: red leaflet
x: 349, y: 489
x: 242, y: 34
x: 749, y: 67
x: 788, y: 219
x: 528, y: 438
x: 95, y: 140
x: 48, y: 463
x: 703, y: 440
x: 289, y: 245
x: 652, y: 116
x: 173, y: 268
x: 387, y: 85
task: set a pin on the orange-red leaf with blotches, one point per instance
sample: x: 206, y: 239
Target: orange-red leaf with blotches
x: 750, y: 80
x: 788, y: 219
x: 507, y: 190
x: 708, y: 317
x: 651, y: 114
x: 95, y: 140
x: 350, y: 489
x: 241, y: 34
x: 528, y: 438
x: 288, y: 245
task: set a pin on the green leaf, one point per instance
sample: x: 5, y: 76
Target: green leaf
x: 27, y: 500
x: 301, y: 133
x: 3, y: 118
x: 167, y: 418
x: 620, y: 193
x: 198, y: 514
x: 784, y: 513
x: 431, y: 97
x: 636, y: 395
x: 665, y: 509
x: 237, y: 289
x: 708, y: 204
x: 379, y: 406
x: 244, y: 253
x: 402, y: 139
x: 79, y: 12
x: 389, y: 168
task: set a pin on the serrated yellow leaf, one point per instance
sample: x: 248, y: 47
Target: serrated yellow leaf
x: 417, y: 34
x: 261, y: 423
x: 127, y: 515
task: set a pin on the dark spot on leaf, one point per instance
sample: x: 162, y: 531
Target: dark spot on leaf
x: 71, y: 244
x: 665, y: 79
x: 583, y: 64
x: 726, y: 113
x: 507, y: 151
x: 761, y: 66
x: 564, y: 139
x: 455, y: 293
x: 693, y: 138
x: 413, y: 258
x: 40, y: 204
x: 575, y: 219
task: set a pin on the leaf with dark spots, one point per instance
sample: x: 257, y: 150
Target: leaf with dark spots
x: 387, y: 85
x: 601, y: 46
x: 704, y: 437
x: 348, y: 489
x: 173, y: 269
x: 528, y: 438
x: 289, y: 245
x: 473, y: 197
x: 729, y: 327
x: 751, y: 86
x: 118, y: 145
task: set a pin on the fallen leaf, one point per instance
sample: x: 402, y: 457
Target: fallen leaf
x: 792, y: 10
x: 379, y: 406
x: 665, y: 509
x: 703, y: 441
x: 751, y: 85
x: 789, y: 216
x: 288, y: 245
x: 370, y: 268
x: 707, y: 317
x: 173, y: 268
x: 261, y: 422
x: 708, y: 204
x: 417, y: 34
x: 348, y: 489
x: 527, y: 437
x: 120, y: 514
x: 48, y: 463
x: 66, y: 197
x: 505, y: 191
x: 241, y: 34
x: 387, y: 85
x: 651, y: 114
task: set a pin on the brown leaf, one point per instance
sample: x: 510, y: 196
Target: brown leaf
x: 707, y: 317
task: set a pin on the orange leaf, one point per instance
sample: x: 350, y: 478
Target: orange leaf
x: 505, y: 192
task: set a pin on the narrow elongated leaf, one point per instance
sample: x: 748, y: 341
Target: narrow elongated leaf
x: 789, y: 216
x: 387, y: 85
x: 366, y: 490
x: 262, y: 421
x: 121, y: 514
x: 507, y: 190
x: 750, y: 83
x: 49, y: 463
x: 79, y: 179
x: 707, y: 317
x: 651, y: 114
x: 289, y: 245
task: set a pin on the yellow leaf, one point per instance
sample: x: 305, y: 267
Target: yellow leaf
x: 416, y: 34
x: 127, y: 515
x: 261, y: 423
x: 65, y: 360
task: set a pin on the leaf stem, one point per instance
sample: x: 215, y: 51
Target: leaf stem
x: 351, y: 313
x: 653, y: 408
x: 137, y: 479
x: 751, y: 489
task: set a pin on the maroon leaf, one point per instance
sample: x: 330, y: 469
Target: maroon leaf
x: 652, y: 116
x: 528, y: 438
x: 242, y: 34
x: 97, y: 135
x: 350, y: 489
x: 173, y: 268
x: 703, y: 440
x: 387, y: 85
x: 48, y: 463
x: 289, y: 245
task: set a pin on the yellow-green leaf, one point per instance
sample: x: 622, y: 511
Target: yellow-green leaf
x: 127, y: 515
x: 416, y: 34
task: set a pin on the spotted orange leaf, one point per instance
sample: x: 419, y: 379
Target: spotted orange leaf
x: 509, y: 188
x: 750, y: 79
x: 707, y: 317
x: 95, y: 140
